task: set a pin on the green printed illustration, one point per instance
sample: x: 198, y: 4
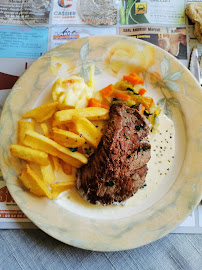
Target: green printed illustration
x: 133, y: 12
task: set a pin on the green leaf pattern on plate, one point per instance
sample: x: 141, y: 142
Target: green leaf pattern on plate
x: 97, y: 71
x: 167, y: 104
x: 85, y: 67
x: 161, y: 102
x: 165, y: 66
x: 169, y: 80
x: 174, y: 76
x: 172, y: 86
x: 84, y: 51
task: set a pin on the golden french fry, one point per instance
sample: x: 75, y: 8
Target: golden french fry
x: 71, y: 127
x: 57, y: 188
x: 92, y: 113
x: 59, y: 125
x: 56, y: 163
x: 36, y: 168
x: 22, y: 128
x: 45, y: 129
x: 55, y: 123
x: 40, y: 142
x: 88, y: 131
x: 48, y: 175
x: 32, y: 182
x: 67, y: 168
x: 100, y: 125
x: 29, y: 154
x: 43, y: 112
x: 67, y: 138
x: 64, y: 126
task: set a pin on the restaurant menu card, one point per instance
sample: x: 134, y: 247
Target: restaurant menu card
x: 162, y: 23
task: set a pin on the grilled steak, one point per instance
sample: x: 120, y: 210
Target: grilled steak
x: 117, y: 169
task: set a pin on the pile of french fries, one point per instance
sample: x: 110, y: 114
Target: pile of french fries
x: 50, y: 139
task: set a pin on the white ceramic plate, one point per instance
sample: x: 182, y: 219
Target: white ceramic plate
x: 74, y: 221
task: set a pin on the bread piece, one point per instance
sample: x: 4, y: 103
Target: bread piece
x: 198, y: 32
x: 194, y: 12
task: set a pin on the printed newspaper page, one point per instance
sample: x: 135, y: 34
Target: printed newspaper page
x: 22, y: 42
x: 96, y: 13
x: 163, y: 12
x: 61, y: 34
x: 171, y: 39
x: 19, y: 12
x: 65, y: 12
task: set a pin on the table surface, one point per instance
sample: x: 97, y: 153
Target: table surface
x: 33, y: 249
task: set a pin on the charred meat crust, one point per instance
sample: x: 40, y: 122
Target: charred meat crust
x: 117, y: 169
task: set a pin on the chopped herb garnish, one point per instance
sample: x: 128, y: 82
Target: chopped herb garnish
x: 73, y: 149
x: 147, y: 113
x: 132, y: 90
x: 116, y: 100
x: 143, y: 186
x: 88, y: 151
x: 146, y: 148
x: 127, y: 137
x: 130, y: 103
x: 110, y: 183
x: 139, y: 127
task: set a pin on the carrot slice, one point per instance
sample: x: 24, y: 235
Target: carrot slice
x: 105, y: 107
x: 93, y: 102
x: 134, y: 79
x: 107, y: 91
x: 123, y: 96
x: 142, y: 91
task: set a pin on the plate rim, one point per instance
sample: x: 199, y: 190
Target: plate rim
x: 24, y: 74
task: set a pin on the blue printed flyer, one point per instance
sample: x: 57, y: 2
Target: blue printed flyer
x: 23, y: 42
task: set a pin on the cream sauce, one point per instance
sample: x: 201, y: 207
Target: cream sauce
x: 162, y: 154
